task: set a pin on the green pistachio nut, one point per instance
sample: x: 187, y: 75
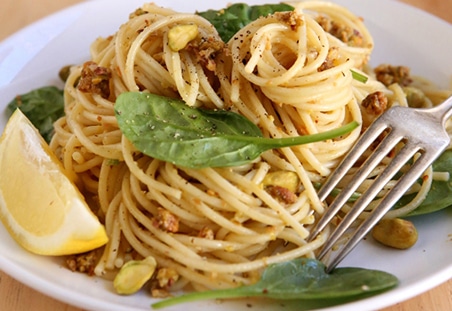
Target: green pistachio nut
x: 180, y: 35
x: 133, y: 275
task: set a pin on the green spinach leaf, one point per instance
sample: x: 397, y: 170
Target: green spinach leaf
x: 440, y: 194
x: 169, y: 130
x: 301, y: 279
x: 230, y: 20
x: 43, y: 106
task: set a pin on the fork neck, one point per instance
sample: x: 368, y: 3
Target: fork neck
x: 444, y: 109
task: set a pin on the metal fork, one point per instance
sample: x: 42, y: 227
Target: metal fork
x: 422, y: 131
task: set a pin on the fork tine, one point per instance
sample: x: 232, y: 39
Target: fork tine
x: 353, y: 155
x: 430, y: 141
x: 381, y: 151
x: 405, y: 154
x: 403, y: 184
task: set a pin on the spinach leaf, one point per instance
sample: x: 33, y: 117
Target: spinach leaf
x: 440, y: 194
x: 169, y: 130
x: 43, y: 106
x: 230, y: 20
x: 301, y: 279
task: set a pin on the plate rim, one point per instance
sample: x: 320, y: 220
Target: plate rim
x: 23, y: 275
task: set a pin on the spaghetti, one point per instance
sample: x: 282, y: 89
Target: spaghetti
x: 218, y: 227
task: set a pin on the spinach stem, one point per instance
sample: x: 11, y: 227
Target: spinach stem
x: 301, y: 140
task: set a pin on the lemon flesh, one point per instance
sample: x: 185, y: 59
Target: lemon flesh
x: 40, y: 206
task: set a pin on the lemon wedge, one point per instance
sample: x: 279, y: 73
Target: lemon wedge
x: 40, y: 206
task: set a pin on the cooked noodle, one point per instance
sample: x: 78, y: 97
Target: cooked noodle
x: 230, y: 226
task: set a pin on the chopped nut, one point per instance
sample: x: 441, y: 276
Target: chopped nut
x: 133, y: 275
x: 84, y: 263
x: 166, y: 277
x: 166, y: 221
x: 159, y: 293
x: 282, y: 185
x: 333, y: 55
x: 375, y: 103
x: 388, y: 74
x: 291, y: 18
x: 345, y: 33
x: 180, y: 35
x: 282, y: 194
x: 95, y: 79
x: 206, y: 50
x: 206, y: 233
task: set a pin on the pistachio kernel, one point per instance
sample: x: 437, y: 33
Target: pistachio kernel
x: 180, y: 35
x: 285, y: 179
x: 395, y: 232
x: 133, y: 275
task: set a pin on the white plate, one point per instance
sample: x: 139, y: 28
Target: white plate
x: 32, y: 57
